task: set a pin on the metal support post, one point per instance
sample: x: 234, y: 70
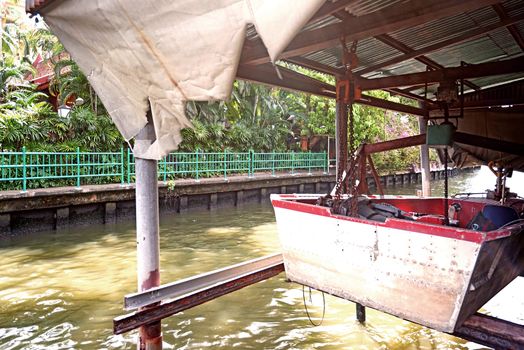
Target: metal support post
x: 147, y: 232
x: 361, y: 313
x: 341, y: 138
x: 225, y: 165
x: 424, y: 160
x: 122, y: 168
x: 24, y: 169
x: 78, y: 167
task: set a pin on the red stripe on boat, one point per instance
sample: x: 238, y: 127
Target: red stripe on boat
x: 436, y: 230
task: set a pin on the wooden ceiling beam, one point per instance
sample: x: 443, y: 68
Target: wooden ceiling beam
x: 409, y: 14
x: 472, y: 34
x: 513, y: 30
x: 454, y: 73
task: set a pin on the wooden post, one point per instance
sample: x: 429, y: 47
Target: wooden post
x: 147, y: 232
x: 424, y: 160
x: 341, y: 137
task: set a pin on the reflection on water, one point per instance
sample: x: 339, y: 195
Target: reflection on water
x: 62, y: 290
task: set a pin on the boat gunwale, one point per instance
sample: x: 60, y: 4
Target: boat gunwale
x: 289, y: 201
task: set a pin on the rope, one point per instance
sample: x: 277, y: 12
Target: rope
x: 310, y: 300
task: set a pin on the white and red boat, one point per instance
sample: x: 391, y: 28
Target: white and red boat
x: 399, y: 257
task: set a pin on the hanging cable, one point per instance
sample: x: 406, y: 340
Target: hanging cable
x: 311, y: 301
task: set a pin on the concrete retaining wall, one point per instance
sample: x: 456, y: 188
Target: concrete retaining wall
x: 64, y: 207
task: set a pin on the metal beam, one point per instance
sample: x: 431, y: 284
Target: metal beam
x: 153, y: 314
x: 472, y: 34
x: 329, y: 8
x: 386, y: 39
x: 392, y: 18
x: 392, y: 106
x: 395, y: 144
x: 427, y: 102
x: 290, y: 80
x: 454, y: 73
x: 489, y: 143
x: 203, y: 281
x: 319, y: 67
x: 492, y: 332
x: 513, y: 30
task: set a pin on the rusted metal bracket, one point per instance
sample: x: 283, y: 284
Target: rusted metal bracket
x: 492, y: 332
x: 194, y: 291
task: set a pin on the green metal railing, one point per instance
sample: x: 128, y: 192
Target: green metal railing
x: 47, y: 169
x: 23, y: 170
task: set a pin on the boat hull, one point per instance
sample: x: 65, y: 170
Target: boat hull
x: 420, y: 273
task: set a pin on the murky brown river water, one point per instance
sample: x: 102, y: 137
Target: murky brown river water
x: 62, y: 290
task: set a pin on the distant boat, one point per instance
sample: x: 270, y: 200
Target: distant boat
x: 399, y: 257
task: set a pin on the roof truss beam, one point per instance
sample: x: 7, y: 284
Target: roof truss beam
x: 501, y: 95
x: 329, y: 8
x: 288, y: 79
x: 291, y: 80
x: 472, y: 34
x: 386, y: 39
x: 513, y: 30
x: 454, y: 73
x: 411, y: 13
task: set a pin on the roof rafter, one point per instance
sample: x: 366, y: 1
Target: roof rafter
x: 453, y: 73
x: 386, y: 39
x: 329, y: 8
x: 513, y: 30
x: 291, y: 80
x: 393, y: 18
x: 338, y: 72
x: 472, y: 34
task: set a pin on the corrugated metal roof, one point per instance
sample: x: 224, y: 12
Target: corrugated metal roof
x: 364, y: 7
x: 480, y: 50
x: 496, y: 45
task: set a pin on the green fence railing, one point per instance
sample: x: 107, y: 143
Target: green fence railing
x: 23, y: 170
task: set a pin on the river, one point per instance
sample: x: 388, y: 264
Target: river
x: 61, y: 290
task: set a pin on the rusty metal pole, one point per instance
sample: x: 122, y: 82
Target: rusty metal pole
x: 424, y: 159
x: 147, y: 232
x: 341, y: 137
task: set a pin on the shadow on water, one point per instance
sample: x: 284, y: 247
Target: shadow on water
x: 62, y: 290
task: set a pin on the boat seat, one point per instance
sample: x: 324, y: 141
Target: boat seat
x: 492, y: 217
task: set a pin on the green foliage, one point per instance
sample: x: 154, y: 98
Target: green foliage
x: 27, y: 119
x: 255, y: 117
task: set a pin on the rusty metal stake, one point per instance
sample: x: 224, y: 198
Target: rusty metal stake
x: 147, y: 232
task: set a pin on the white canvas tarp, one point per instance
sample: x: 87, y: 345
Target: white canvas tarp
x: 166, y: 52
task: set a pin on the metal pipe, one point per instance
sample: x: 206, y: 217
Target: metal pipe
x: 424, y: 160
x: 147, y: 232
x: 341, y: 137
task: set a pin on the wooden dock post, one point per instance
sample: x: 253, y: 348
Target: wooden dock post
x: 147, y: 232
